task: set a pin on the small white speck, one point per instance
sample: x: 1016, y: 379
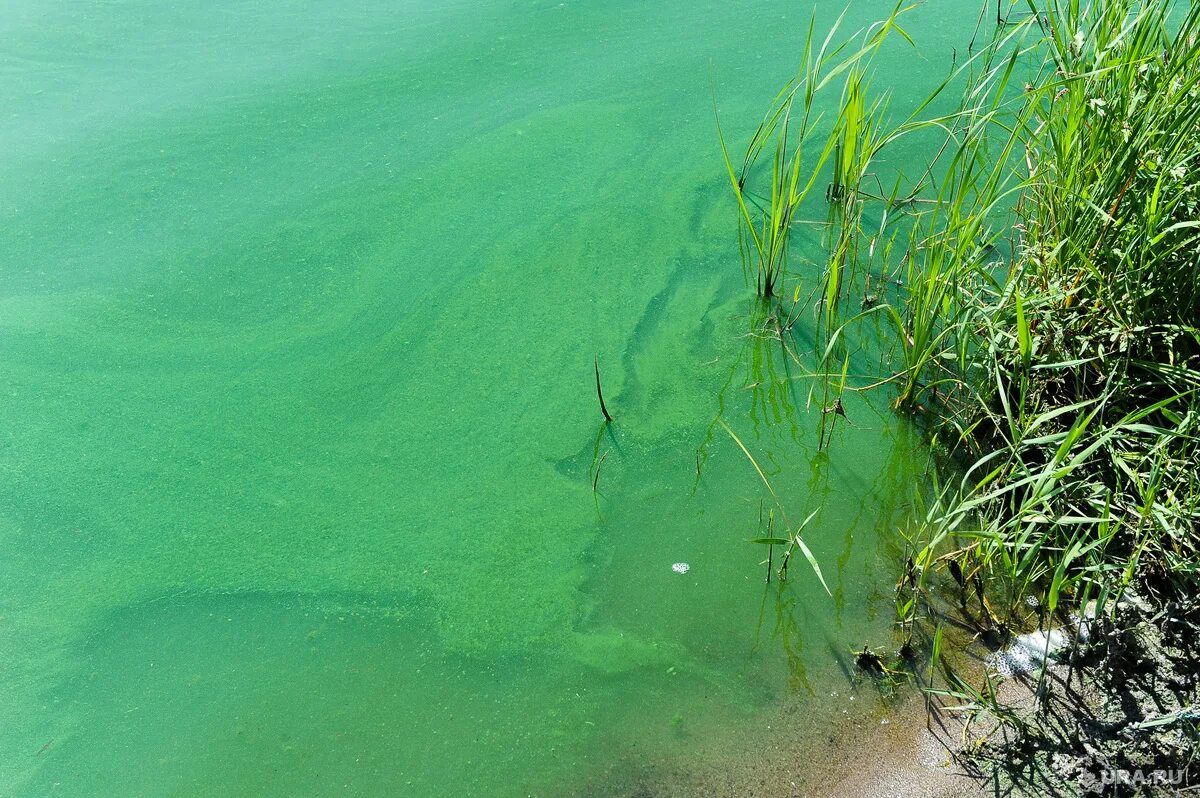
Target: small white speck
x: 681, y: 568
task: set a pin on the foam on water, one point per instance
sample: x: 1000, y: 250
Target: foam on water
x: 1029, y: 652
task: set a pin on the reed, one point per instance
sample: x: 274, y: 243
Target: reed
x: 1046, y: 314
x: 1071, y: 395
x: 1047, y: 360
x: 785, y: 139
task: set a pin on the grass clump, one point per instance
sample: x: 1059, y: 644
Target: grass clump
x: 1067, y: 383
x: 1041, y: 277
x: 782, y: 147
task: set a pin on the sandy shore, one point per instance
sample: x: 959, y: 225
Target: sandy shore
x: 914, y: 763
x: 884, y: 752
x: 902, y: 758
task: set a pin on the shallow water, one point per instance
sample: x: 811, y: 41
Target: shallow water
x: 298, y: 315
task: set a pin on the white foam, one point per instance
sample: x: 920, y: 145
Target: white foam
x: 1029, y: 651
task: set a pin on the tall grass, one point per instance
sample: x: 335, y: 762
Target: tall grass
x: 1047, y: 327
x: 784, y: 140
x: 1068, y: 371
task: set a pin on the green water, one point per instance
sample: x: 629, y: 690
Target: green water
x: 298, y: 309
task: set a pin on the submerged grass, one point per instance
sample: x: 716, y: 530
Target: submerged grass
x: 794, y: 540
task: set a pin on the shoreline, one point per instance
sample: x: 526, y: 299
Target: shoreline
x: 883, y: 750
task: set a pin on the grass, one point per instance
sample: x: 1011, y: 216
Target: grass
x: 1064, y: 378
x: 1045, y: 330
x: 794, y: 540
x: 766, y: 219
x: 600, y: 392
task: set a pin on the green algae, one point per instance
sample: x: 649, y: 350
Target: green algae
x: 300, y: 306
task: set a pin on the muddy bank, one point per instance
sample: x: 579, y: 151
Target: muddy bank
x: 1115, y: 714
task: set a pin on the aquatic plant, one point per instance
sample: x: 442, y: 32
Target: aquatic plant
x: 766, y: 219
x: 1041, y: 275
x: 794, y: 540
x: 1071, y: 396
x: 600, y: 391
x: 1032, y: 332
x: 1061, y: 372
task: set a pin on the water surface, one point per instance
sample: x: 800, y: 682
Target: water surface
x: 298, y: 311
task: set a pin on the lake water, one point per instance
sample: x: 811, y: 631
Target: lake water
x: 298, y: 312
